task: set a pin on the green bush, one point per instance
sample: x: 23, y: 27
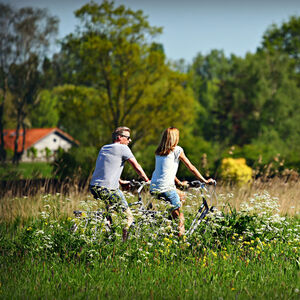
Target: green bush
x: 77, y: 163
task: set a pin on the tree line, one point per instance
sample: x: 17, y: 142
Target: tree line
x: 111, y: 71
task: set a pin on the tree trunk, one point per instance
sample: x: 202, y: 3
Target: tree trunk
x: 17, y: 154
x: 2, y: 146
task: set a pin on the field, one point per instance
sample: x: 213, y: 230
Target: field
x: 26, y: 170
x: 248, y: 250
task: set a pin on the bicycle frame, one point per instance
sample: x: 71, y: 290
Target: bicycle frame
x: 202, y: 211
x: 97, y: 216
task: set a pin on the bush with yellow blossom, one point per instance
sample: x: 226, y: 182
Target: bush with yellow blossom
x: 236, y: 170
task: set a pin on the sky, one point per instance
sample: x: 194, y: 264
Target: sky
x: 191, y: 26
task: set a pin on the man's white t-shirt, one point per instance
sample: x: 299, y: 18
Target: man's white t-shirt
x: 163, y: 177
x: 110, y: 164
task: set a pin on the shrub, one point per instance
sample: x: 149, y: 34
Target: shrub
x: 77, y: 163
x: 236, y: 170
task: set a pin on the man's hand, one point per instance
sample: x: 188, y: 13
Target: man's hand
x: 124, y: 182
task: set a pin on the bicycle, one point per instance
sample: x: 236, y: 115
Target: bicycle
x: 100, y: 221
x: 205, y: 209
x: 146, y: 218
x: 202, y: 212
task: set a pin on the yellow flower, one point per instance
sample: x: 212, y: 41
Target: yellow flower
x: 214, y: 254
x: 29, y: 228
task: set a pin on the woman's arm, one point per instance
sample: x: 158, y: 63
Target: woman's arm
x: 193, y: 169
x: 181, y: 183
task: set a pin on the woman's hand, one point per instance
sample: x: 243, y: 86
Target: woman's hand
x: 211, y: 181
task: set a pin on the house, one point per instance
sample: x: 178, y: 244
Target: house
x: 40, y: 143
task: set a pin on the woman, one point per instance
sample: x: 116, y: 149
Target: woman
x: 167, y: 156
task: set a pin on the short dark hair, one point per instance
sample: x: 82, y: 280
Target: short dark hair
x: 119, y: 131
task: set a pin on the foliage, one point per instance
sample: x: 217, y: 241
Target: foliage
x: 77, y: 163
x: 26, y: 170
x: 79, y: 110
x: 112, y: 53
x: 32, y: 152
x: 25, y: 38
x: 111, y: 72
x: 45, y: 114
x: 284, y: 39
x: 236, y: 170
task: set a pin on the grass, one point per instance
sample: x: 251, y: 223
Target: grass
x: 26, y: 170
x: 250, y: 251
x: 111, y: 279
x: 288, y: 194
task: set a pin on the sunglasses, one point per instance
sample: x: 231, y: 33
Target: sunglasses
x: 125, y: 136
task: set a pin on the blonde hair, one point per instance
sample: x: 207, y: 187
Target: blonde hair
x: 169, y: 141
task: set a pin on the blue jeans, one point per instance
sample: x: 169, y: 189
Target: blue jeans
x: 110, y: 197
x: 170, y: 196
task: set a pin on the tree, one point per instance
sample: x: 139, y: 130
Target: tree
x: 206, y: 74
x: 6, y: 40
x: 30, y: 32
x: 284, y: 39
x: 45, y: 113
x: 113, y: 52
x: 251, y: 100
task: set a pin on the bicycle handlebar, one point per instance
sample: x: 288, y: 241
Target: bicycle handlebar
x: 195, y: 183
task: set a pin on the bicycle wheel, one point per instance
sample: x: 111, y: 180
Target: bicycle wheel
x: 91, y: 224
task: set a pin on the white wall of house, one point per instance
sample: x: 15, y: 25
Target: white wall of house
x: 53, y: 141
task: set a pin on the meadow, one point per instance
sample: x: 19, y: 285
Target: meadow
x: 249, y: 249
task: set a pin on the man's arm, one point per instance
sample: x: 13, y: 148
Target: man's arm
x: 137, y: 167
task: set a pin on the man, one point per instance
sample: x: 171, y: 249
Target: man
x: 105, y: 181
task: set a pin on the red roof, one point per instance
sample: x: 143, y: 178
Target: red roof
x: 33, y: 135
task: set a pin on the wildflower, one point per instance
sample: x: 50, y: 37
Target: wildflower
x: 29, y: 228
x: 214, y: 254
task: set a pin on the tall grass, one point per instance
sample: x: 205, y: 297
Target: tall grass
x: 288, y: 194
